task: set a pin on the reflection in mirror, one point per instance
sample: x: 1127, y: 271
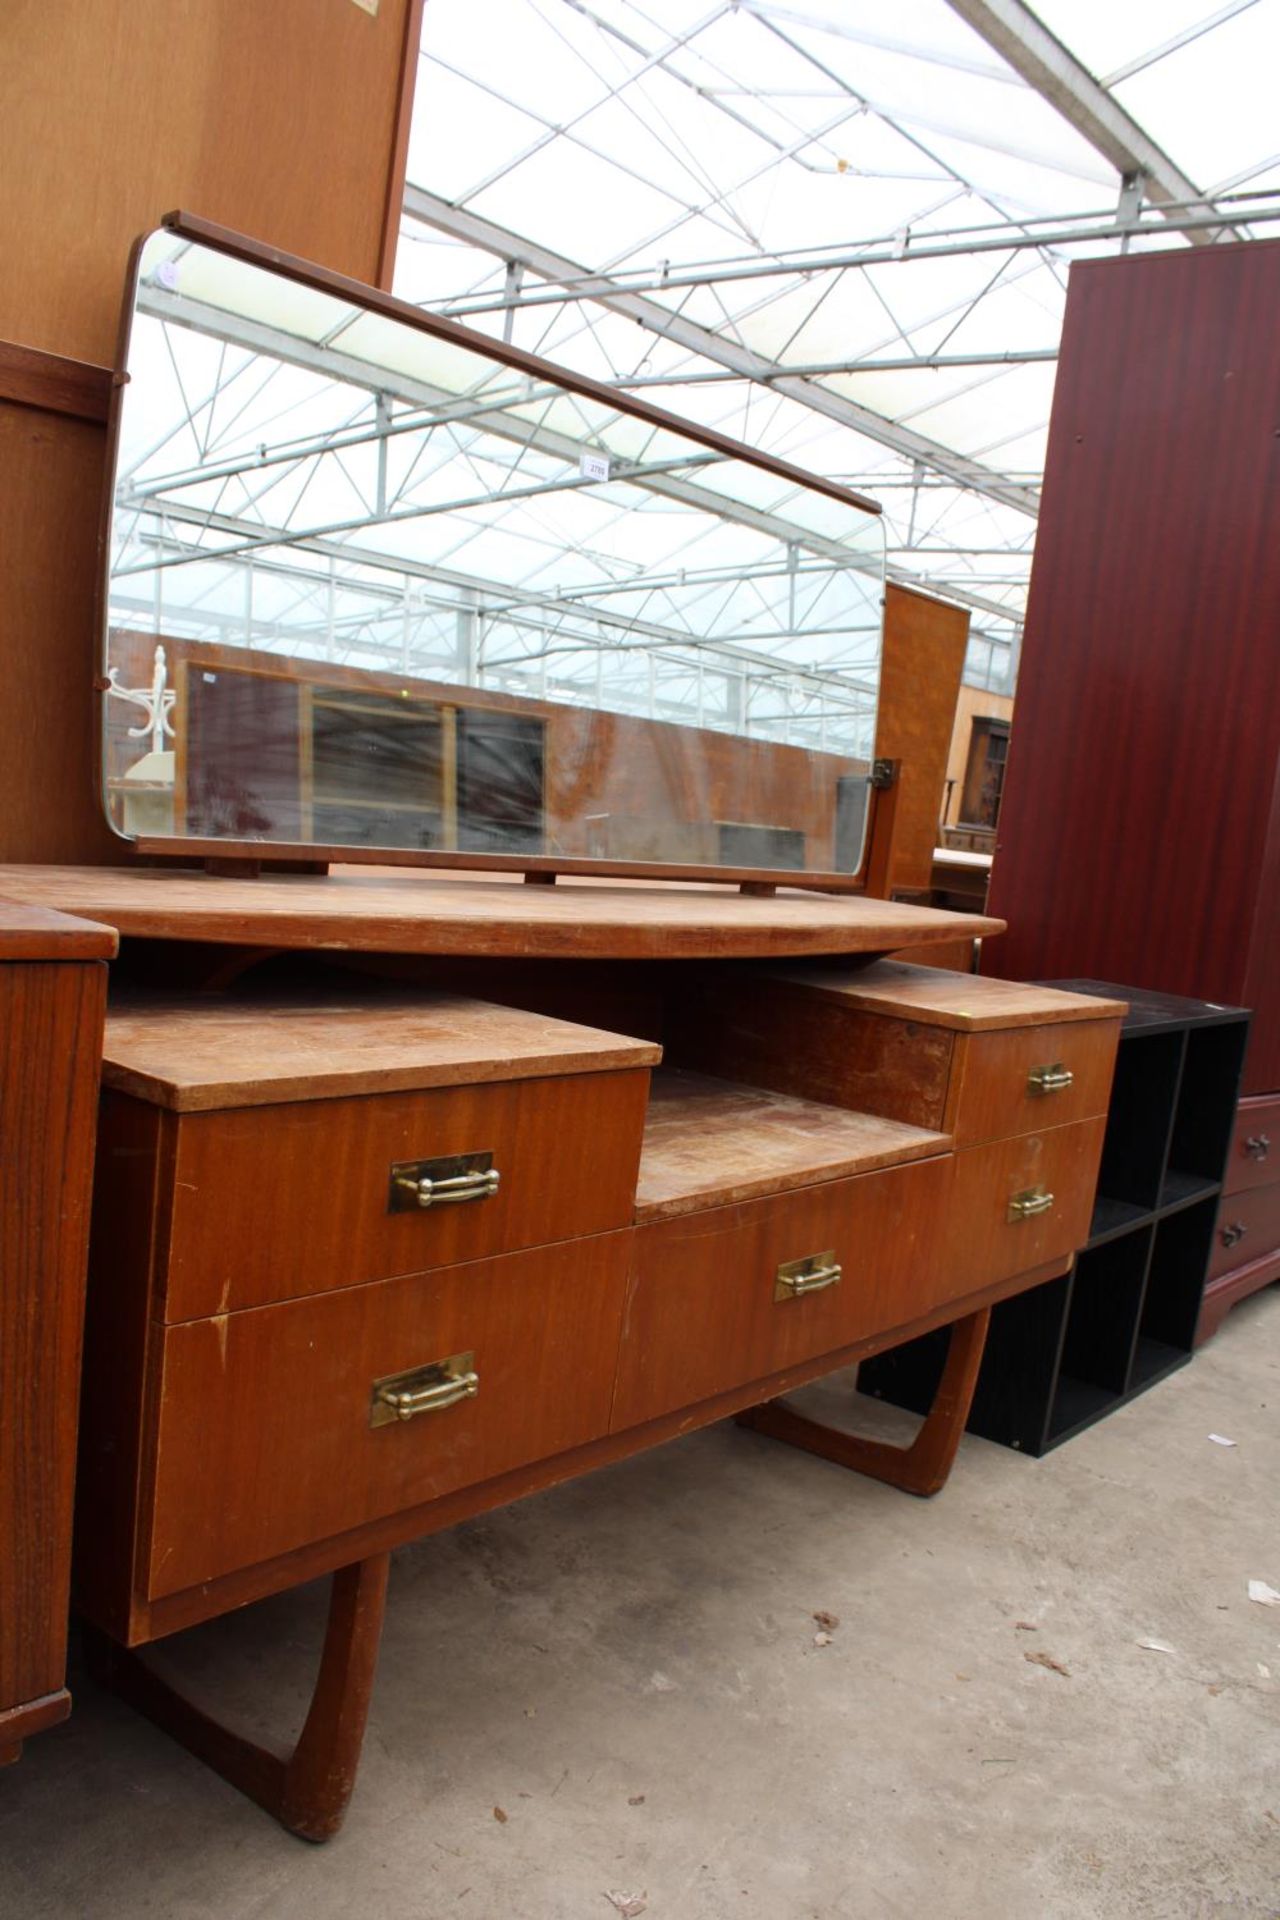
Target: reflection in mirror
x: 372, y: 587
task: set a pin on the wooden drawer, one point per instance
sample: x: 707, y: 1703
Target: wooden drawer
x: 1248, y: 1229
x: 268, y: 1203
x: 1254, y: 1159
x: 701, y: 1312
x: 260, y: 1440
x: 1010, y: 1081
x: 988, y: 1241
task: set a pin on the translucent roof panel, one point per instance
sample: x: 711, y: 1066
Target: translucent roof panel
x: 838, y: 231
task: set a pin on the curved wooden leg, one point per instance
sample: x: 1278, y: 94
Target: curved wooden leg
x: 922, y: 1467
x: 307, y: 1790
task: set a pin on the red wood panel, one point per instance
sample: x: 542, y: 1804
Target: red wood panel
x: 1134, y: 831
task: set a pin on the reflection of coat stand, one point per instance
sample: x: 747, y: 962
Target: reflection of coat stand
x: 146, y: 788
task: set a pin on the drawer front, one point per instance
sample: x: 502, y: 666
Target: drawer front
x: 702, y: 1315
x: 274, y: 1202
x: 1254, y: 1159
x: 1026, y: 1079
x: 1248, y: 1229
x: 262, y: 1438
x: 1000, y: 1222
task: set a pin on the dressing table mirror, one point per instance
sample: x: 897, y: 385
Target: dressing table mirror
x: 381, y: 585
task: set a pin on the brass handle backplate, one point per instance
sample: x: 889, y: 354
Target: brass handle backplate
x: 795, y: 1278
x: 429, y: 1389
x: 436, y: 1183
x: 1054, y: 1078
x: 1031, y: 1201
x: 1258, y: 1146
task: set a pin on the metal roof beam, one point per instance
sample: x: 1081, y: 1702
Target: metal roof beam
x: 1046, y: 65
x: 433, y: 211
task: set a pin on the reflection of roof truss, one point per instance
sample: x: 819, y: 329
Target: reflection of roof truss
x: 433, y: 211
x: 492, y: 600
x: 287, y: 348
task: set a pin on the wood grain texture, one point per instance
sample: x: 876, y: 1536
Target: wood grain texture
x: 211, y: 101
x: 38, y: 933
x: 701, y: 1314
x: 151, y: 1620
x: 1140, y: 830
x: 194, y: 1053
x: 274, y: 1405
x: 1230, y: 1288
x: 51, y: 482
x: 921, y: 1467
x: 990, y: 1095
x: 53, y: 383
x: 966, y: 1002
x: 1248, y: 1229
x: 274, y: 1202
x: 708, y: 1143
x: 207, y: 103
x: 384, y: 910
x: 772, y: 1032
x: 924, y: 649
x: 983, y: 1243
x: 1253, y: 1158
x: 50, y: 1038
x: 306, y: 1790
x: 617, y: 787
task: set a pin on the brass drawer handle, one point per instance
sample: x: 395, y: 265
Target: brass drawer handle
x: 1051, y: 1079
x: 429, y: 1389
x: 437, y: 1183
x: 1233, y: 1234
x: 1258, y: 1146
x: 1031, y: 1201
x: 815, y: 1274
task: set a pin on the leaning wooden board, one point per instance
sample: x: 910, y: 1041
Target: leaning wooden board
x: 368, y: 1264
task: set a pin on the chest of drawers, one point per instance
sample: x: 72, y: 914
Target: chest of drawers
x: 364, y: 1265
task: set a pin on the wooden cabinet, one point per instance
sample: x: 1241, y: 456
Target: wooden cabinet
x: 52, y: 993
x: 369, y: 1257
x: 1139, y: 836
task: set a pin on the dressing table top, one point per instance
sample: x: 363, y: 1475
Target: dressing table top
x: 405, y: 910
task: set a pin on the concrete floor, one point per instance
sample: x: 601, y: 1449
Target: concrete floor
x: 627, y: 1669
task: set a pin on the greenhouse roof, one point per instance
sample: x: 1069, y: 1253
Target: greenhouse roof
x: 838, y: 231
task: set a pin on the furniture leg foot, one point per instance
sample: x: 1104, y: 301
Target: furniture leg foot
x: 920, y: 1468
x: 307, y: 1790
x: 10, y: 1753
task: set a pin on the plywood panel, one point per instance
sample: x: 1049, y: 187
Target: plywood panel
x: 1133, y: 841
x: 278, y: 120
x: 51, y: 476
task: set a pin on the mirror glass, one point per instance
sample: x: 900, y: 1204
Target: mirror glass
x: 371, y: 587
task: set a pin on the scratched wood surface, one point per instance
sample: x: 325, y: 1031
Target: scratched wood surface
x: 376, y: 909
x: 709, y: 1143
x: 192, y: 1053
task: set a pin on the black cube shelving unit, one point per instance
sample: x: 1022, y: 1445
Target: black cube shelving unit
x: 1063, y: 1354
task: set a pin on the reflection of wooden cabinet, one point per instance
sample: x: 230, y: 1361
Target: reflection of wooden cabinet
x: 282, y: 757
x: 377, y: 770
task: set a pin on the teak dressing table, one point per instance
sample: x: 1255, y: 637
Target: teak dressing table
x: 371, y: 1256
